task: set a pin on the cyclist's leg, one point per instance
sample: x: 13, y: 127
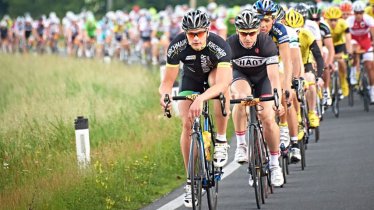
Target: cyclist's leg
x: 311, y: 95
x: 271, y: 130
x: 368, y: 59
x: 221, y: 146
x: 339, y: 51
x: 240, y: 88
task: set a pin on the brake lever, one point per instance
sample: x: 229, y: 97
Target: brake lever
x: 222, y: 100
x: 167, y: 102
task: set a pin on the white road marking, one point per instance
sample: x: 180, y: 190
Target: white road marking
x: 177, y: 202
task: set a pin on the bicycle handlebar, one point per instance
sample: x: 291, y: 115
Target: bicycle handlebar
x: 251, y: 101
x: 221, y: 97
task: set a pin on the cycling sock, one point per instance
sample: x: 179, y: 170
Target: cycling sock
x: 274, y: 158
x: 221, y: 138
x: 240, y: 138
x: 294, y: 139
x: 285, y: 124
x: 353, y: 71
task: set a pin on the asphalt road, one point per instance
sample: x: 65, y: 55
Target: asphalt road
x: 339, y: 172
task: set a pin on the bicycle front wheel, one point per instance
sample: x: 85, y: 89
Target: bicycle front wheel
x: 195, y: 171
x: 212, y: 187
x: 336, y: 96
x: 253, y: 165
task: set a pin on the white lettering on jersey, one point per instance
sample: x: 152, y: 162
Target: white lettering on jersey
x: 177, y: 48
x: 250, y: 61
x: 206, y: 64
x: 219, y: 52
x: 191, y: 57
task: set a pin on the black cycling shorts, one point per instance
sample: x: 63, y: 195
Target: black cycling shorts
x: 261, y: 86
x: 340, y: 49
x: 189, y: 84
x: 309, y: 68
x: 146, y: 38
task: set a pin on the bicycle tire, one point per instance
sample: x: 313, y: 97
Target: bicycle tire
x: 365, y: 91
x: 283, y: 166
x: 351, y: 96
x: 336, y: 97
x: 262, y: 164
x: 302, y: 153
x: 195, y: 171
x: 252, y: 165
x: 316, y: 134
x: 212, y: 189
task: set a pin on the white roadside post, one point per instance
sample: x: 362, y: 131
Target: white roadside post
x: 174, y: 91
x: 82, y: 140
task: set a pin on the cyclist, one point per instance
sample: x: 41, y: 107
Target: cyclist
x: 298, y: 71
x: 361, y: 27
x: 308, y: 44
x: 342, y: 42
x: 346, y: 8
x: 370, y: 9
x: 315, y: 15
x: 255, y: 61
x: 279, y: 33
x: 206, y: 57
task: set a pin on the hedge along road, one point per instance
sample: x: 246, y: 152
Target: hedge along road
x: 338, y: 175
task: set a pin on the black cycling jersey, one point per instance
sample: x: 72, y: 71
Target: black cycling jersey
x: 252, y: 62
x: 3, y: 32
x: 197, y: 64
x: 325, y: 30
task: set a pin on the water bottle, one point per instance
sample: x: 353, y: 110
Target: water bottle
x: 207, y: 138
x: 82, y: 141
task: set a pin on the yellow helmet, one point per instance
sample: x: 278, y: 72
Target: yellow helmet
x: 294, y: 19
x: 333, y: 13
x: 371, y: 2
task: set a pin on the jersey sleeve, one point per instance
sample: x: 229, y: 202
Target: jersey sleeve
x: 293, y: 37
x: 175, y: 47
x: 280, y: 33
x: 325, y: 30
x: 369, y: 20
x: 269, y: 50
x: 221, y: 49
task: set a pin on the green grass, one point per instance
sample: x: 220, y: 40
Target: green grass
x: 135, y: 155
x: 135, y: 151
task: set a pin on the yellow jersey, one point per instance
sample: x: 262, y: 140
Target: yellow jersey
x: 306, y: 39
x: 338, y: 33
x: 370, y: 11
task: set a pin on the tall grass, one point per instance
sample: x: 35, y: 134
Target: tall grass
x: 135, y: 151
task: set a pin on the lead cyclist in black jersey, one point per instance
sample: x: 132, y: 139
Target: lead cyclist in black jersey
x: 255, y: 61
x: 205, y: 57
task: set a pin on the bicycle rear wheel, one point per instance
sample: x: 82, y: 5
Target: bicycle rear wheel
x: 195, y: 171
x: 283, y: 164
x: 351, y: 96
x: 253, y: 165
x: 336, y: 97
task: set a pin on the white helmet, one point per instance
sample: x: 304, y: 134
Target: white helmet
x: 358, y: 6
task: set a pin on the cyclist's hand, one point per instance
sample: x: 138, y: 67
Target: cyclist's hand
x: 280, y: 111
x: 162, y: 102
x: 289, y: 98
x: 195, y: 109
x: 320, y: 82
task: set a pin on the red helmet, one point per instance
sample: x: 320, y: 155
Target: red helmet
x: 346, y: 7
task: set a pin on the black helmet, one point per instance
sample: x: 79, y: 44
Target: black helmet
x: 314, y: 13
x: 302, y: 9
x: 280, y: 13
x: 247, y: 19
x: 195, y: 19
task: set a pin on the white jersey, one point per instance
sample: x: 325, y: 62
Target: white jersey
x: 314, y: 28
x: 293, y: 37
x: 361, y: 28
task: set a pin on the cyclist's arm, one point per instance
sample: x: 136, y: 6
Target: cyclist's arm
x: 348, y: 39
x: 296, y: 62
x: 330, y: 47
x: 273, y: 74
x: 318, y: 57
x: 284, y: 51
x: 222, y: 81
x: 171, y: 74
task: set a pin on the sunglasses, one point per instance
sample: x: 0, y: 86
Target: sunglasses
x: 333, y: 20
x: 359, y: 13
x: 199, y: 34
x: 245, y: 33
x: 315, y: 19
